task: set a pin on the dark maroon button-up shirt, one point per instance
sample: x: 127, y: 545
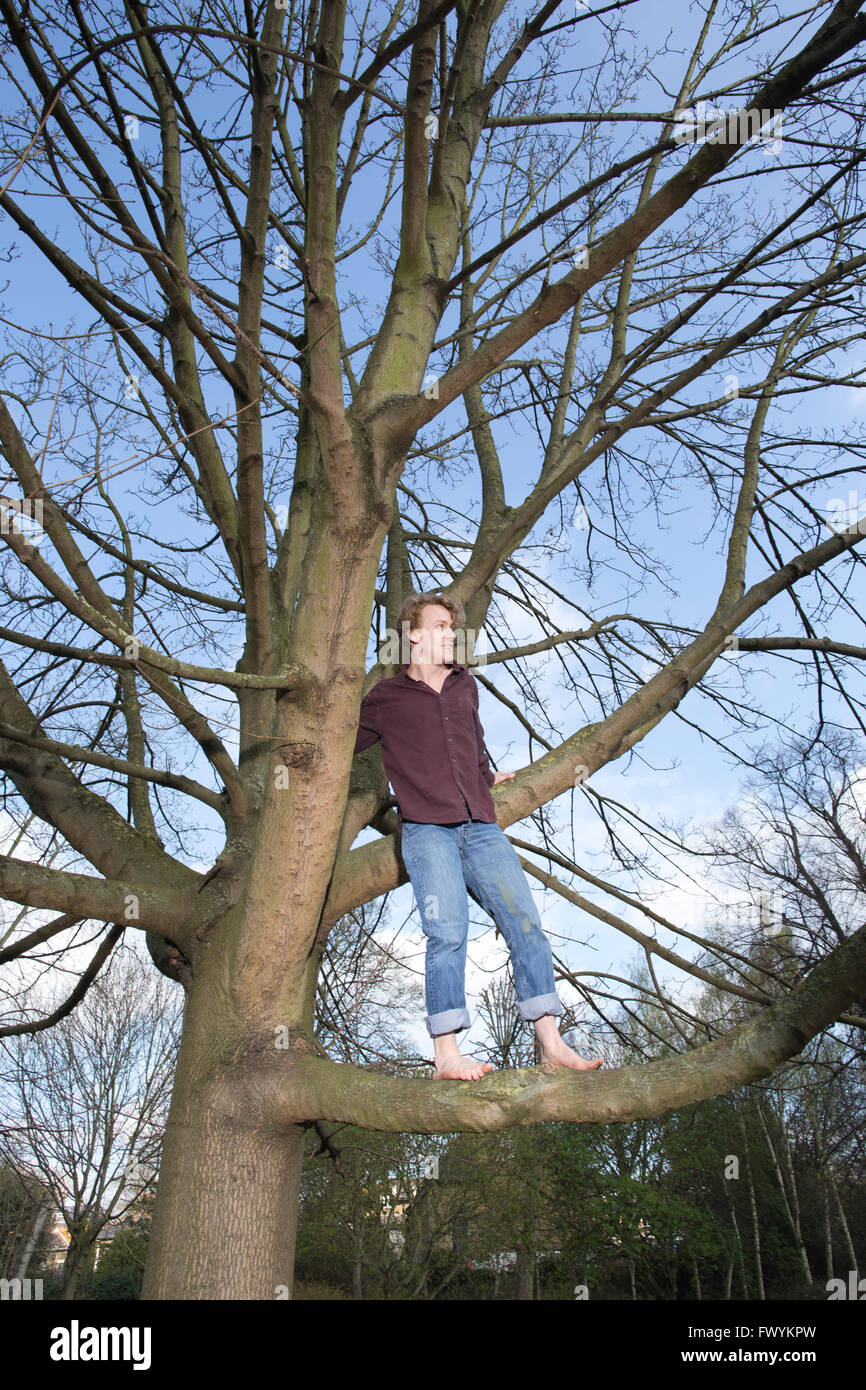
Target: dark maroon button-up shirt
x: 432, y: 746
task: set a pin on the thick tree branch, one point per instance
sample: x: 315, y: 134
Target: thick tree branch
x: 288, y: 1088
x: 147, y: 906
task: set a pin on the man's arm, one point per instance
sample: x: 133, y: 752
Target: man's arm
x: 368, y: 732
x: 483, y: 760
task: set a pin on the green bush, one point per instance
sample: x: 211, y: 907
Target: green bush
x: 121, y: 1287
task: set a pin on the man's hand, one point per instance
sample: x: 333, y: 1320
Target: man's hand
x: 502, y: 777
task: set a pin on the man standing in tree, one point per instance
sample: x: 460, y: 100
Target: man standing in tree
x: 433, y: 751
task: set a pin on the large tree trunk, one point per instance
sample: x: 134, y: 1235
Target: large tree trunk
x: 225, y: 1218
x: 225, y: 1223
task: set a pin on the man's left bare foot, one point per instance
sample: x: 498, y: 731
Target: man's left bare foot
x: 557, y: 1053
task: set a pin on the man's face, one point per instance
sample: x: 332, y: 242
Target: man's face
x: 433, y: 640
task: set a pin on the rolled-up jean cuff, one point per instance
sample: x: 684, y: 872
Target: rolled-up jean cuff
x: 450, y: 1021
x: 537, y: 1007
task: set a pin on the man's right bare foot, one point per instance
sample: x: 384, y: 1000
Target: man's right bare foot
x: 455, y: 1067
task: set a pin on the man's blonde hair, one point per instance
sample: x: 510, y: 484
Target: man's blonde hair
x: 412, y: 607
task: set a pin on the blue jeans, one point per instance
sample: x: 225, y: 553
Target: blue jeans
x: 441, y: 861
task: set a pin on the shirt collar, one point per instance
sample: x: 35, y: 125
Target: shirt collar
x: 455, y: 666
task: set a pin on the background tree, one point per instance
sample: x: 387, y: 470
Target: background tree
x: 280, y: 352
x: 84, y: 1102
x: 120, y: 1269
x: 24, y: 1209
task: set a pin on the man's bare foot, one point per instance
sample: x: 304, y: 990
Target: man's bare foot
x: 455, y: 1067
x: 556, y: 1053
